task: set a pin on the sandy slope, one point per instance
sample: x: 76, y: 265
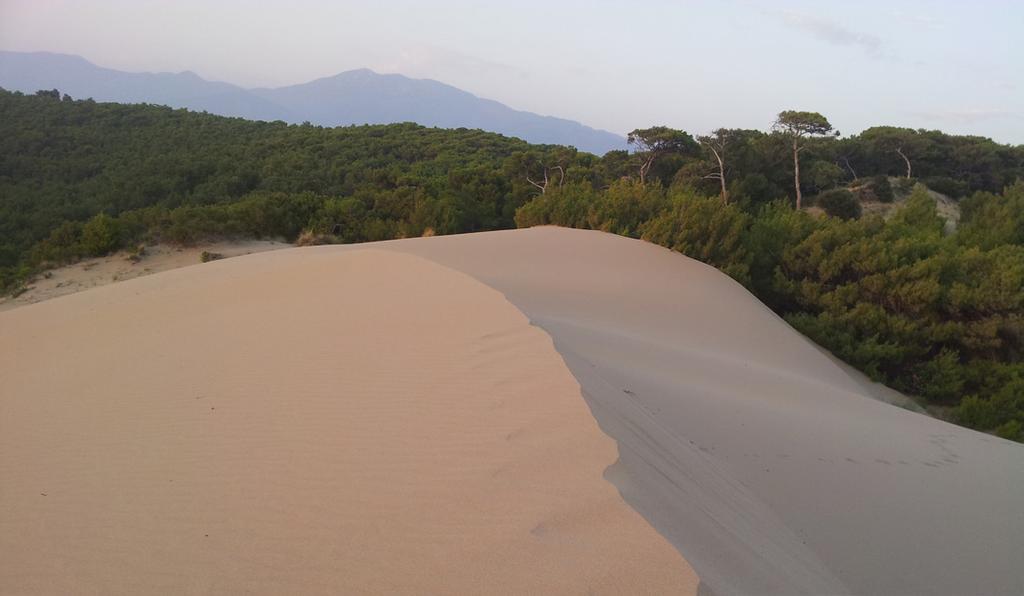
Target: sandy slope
x: 91, y: 273
x: 764, y: 462
x: 305, y: 421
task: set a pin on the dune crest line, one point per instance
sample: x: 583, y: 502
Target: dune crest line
x: 362, y: 422
x: 771, y: 468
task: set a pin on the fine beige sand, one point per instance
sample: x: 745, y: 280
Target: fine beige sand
x: 772, y: 469
x: 768, y: 465
x: 306, y: 421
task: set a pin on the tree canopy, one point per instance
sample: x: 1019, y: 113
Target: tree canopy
x: 653, y: 143
x: 938, y: 314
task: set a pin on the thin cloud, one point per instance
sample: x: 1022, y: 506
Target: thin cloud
x: 831, y: 32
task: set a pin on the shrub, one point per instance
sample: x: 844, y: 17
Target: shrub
x: 62, y: 245
x: 101, y: 235
x: 919, y: 213
x: 989, y: 220
x: 947, y: 186
x: 136, y: 255
x: 840, y: 203
x: 1001, y: 412
x: 626, y: 206
x: 568, y: 205
x: 311, y: 238
x: 882, y: 189
x: 905, y: 185
x: 823, y: 175
x: 939, y: 379
x: 704, y: 229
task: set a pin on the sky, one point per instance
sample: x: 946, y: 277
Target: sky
x: 696, y: 65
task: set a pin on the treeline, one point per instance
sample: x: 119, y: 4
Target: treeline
x: 78, y: 178
x: 934, y: 313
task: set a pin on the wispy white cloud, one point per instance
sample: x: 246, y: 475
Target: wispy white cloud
x: 830, y: 31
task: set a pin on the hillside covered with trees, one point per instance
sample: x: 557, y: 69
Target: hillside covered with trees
x: 935, y: 312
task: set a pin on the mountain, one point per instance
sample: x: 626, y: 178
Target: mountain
x: 76, y: 76
x: 353, y: 97
x: 363, y: 96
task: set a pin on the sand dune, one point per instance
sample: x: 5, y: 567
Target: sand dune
x: 768, y: 466
x: 384, y: 424
x: 305, y: 422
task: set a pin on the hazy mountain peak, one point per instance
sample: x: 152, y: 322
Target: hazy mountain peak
x: 359, y: 96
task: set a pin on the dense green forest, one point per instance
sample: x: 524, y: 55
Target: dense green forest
x: 173, y: 175
x: 935, y: 312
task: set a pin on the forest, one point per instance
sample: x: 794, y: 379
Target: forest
x: 841, y: 236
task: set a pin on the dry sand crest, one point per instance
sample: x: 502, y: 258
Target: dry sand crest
x: 767, y: 465
x: 305, y: 422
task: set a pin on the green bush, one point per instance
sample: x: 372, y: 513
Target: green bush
x: 989, y: 220
x: 919, y: 213
x: 101, y: 235
x: 626, y: 206
x: 839, y: 203
x: 704, y: 229
x: 947, y: 186
x: 1001, y: 412
x: 568, y: 206
x: 905, y: 185
x: 822, y: 175
x: 883, y: 189
x: 64, y: 244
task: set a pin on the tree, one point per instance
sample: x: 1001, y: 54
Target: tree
x: 796, y: 127
x: 823, y: 175
x: 652, y: 143
x: 847, y: 149
x: 543, y: 169
x: 905, y: 142
x: 717, y: 143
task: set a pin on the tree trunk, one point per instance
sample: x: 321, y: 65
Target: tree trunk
x: 796, y: 175
x: 645, y: 166
x: 721, y: 176
x: 543, y: 187
x: 849, y: 167
x: 900, y: 151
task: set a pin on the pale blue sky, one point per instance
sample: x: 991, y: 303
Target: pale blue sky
x: 695, y: 65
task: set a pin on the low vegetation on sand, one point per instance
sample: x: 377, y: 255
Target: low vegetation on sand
x: 933, y: 309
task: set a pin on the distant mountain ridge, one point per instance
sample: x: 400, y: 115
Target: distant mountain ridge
x: 353, y: 97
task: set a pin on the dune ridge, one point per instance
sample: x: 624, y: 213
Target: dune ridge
x: 305, y: 421
x: 770, y: 467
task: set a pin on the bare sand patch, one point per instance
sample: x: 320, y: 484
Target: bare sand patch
x: 305, y: 421
x: 100, y: 271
